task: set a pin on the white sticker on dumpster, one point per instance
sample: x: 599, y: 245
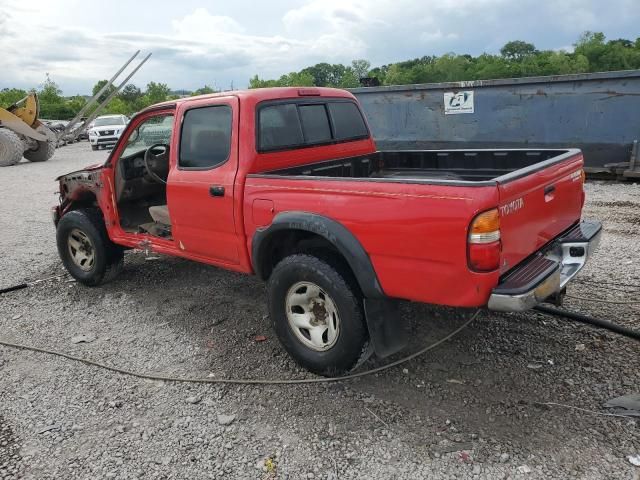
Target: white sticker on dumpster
x: 458, y: 102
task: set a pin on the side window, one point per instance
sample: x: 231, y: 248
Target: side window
x: 205, y: 139
x: 347, y: 121
x: 315, y: 123
x: 279, y: 127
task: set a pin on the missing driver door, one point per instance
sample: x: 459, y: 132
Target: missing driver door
x: 200, y: 190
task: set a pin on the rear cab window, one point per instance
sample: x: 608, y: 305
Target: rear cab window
x: 292, y: 124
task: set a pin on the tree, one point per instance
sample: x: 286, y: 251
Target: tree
x: 52, y: 104
x: 325, y: 74
x: 98, y: 86
x: 9, y: 96
x: 157, y: 92
x: 130, y: 93
x: 50, y: 93
x: 119, y: 106
x: 361, y: 68
x: 204, y: 90
x: 293, y: 79
x: 517, y: 50
x: 257, y: 82
x: 76, y: 103
x: 296, y: 79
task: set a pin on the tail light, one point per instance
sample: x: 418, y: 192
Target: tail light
x: 484, y: 244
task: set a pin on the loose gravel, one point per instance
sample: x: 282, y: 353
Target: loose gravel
x: 473, y: 408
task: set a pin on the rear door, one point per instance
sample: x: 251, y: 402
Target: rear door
x: 200, y: 186
x: 537, y: 205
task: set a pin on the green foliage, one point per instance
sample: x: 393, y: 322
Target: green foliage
x: 130, y: 93
x: 320, y: 75
x: 9, y: 96
x: 132, y: 99
x: 360, y: 68
x: 108, y: 91
x: 517, y: 59
x: 50, y: 93
x: 204, y: 90
x: 76, y: 103
x: 118, y: 105
x: 157, y: 92
x: 52, y: 104
x: 618, y: 54
x: 518, y: 50
x: 293, y: 79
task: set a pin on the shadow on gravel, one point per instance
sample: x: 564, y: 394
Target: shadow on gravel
x: 9, y: 451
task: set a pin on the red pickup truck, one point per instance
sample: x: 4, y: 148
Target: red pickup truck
x: 287, y: 184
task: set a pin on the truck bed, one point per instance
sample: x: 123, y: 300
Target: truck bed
x: 411, y: 210
x: 481, y: 167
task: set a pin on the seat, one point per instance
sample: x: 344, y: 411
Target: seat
x: 160, y: 214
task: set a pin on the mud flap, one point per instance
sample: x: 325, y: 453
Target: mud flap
x: 388, y: 328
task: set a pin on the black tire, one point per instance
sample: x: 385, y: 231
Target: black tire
x: 45, y: 149
x: 108, y: 258
x: 11, y: 148
x: 94, y: 147
x: 340, y: 357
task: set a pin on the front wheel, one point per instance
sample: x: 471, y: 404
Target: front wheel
x: 11, y: 148
x: 85, y: 249
x: 317, y: 315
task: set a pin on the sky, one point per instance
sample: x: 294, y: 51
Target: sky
x: 223, y: 43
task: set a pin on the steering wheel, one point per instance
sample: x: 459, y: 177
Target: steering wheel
x: 149, y: 155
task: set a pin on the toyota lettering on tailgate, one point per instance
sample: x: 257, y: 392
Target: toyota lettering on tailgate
x: 511, y: 207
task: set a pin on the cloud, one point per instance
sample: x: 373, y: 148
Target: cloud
x: 232, y: 41
x: 202, y: 25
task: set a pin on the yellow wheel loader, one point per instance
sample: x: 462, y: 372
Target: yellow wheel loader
x: 21, y: 133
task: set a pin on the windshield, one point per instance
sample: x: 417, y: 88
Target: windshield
x: 104, y: 121
x: 153, y: 130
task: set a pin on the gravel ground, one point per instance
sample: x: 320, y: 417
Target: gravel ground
x: 472, y: 408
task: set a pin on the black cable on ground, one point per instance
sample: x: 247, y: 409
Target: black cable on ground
x: 20, y: 286
x: 597, y: 282
x: 596, y: 322
x: 242, y: 381
x: 13, y: 288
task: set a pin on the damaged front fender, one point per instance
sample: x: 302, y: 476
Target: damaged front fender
x: 82, y: 187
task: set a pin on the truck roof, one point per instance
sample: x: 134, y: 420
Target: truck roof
x: 261, y: 94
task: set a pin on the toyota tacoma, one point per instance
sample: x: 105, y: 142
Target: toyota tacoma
x: 287, y: 184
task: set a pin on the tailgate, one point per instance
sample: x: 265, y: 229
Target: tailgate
x: 537, y: 204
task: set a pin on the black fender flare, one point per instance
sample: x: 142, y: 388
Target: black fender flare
x: 334, y: 232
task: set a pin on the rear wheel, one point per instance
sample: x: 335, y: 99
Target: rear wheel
x: 45, y: 149
x: 11, y: 148
x: 85, y: 249
x: 317, y: 315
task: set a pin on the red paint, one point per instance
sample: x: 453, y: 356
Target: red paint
x: 415, y: 234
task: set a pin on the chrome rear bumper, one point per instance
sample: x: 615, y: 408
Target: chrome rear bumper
x: 548, y: 271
